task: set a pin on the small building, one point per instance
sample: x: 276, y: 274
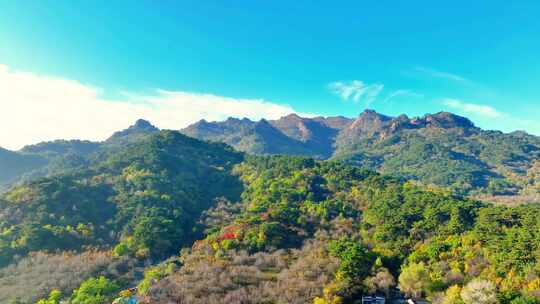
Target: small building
x: 373, y: 300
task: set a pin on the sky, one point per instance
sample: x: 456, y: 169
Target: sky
x: 84, y: 69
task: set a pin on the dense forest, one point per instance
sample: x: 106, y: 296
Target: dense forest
x: 188, y: 221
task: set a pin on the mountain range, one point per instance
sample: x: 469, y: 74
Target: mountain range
x: 441, y: 149
x: 53, y: 157
x: 85, y: 222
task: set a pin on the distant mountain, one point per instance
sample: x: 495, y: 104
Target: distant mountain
x: 291, y: 134
x: 53, y: 157
x: 141, y: 129
x: 172, y: 215
x: 14, y: 165
x: 316, y: 134
x: 62, y: 147
x: 443, y: 149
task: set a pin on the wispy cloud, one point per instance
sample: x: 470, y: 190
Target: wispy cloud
x: 38, y: 108
x: 443, y: 75
x: 356, y: 90
x: 493, y: 118
x: 472, y: 108
x: 399, y: 93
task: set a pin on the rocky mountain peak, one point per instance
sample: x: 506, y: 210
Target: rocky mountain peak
x: 448, y: 120
x: 370, y: 121
x: 237, y: 121
x: 141, y: 127
x: 292, y: 116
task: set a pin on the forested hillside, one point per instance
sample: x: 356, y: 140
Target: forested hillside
x: 60, y: 156
x: 142, y: 200
x: 323, y: 232
x: 195, y: 152
x: 192, y: 222
x: 440, y: 149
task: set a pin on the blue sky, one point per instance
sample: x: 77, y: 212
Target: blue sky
x: 174, y: 62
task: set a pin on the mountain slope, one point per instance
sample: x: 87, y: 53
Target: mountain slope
x: 15, y: 164
x: 140, y: 130
x: 323, y: 232
x: 158, y: 185
x: 443, y: 149
x: 292, y: 135
x: 317, y: 134
x: 275, y: 229
x: 53, y: 157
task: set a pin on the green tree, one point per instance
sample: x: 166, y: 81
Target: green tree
x: 525, y: 300
x: 54, y: 298
x: 414, y: 279
x: 95, y: 291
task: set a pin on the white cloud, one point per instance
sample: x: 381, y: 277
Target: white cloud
x: 356, y: 90
x: 37, y: 108
x: 399, y: 93
x: 443, y: 75
x: 472, y: 108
